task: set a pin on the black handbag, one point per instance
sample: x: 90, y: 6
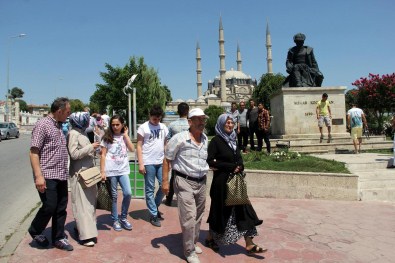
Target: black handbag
x: 104, y: 197
x: 236, y: 190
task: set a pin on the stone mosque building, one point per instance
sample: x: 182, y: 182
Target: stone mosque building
x: 230, y: 86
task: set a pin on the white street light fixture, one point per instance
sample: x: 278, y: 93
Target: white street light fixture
x: 128, y: 86
x: 7, y: 108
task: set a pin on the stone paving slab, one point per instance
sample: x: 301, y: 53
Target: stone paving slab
x: 293, y: 231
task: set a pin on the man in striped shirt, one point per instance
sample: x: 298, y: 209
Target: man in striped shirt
x: 48, y: 158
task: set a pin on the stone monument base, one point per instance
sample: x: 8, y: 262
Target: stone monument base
x: 294, y: 112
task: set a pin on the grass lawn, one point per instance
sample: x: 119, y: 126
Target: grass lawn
x: 292, y: 161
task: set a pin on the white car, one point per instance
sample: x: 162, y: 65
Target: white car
x: 8, y: 129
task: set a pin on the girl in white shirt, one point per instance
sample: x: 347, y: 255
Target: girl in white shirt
x: 114, y: 165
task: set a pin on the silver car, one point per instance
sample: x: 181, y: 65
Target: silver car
x: 9, y: 129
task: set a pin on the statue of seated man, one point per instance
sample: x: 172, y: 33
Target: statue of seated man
x: 301, y: 65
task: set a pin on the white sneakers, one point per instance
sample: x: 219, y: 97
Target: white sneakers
x: 193, y: 258
x: 198, y: 250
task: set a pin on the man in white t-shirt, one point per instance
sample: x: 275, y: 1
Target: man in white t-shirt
x: 151, y: 140
x: 355, y: 121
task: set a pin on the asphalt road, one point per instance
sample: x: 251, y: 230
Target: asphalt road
x: 17, y: 193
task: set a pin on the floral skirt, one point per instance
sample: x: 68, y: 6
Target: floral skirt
x: 232, y: 234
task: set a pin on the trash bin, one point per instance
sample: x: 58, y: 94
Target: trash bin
x: 136, y: 180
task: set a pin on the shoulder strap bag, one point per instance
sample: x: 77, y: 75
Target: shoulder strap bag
x: 236, y: 190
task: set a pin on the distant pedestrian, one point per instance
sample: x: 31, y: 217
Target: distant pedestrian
x: 186, y: 154
x: 242, y: 136
x: 235, y: 115
x: 356, y: 121
x: 114, y: 165
x: 106, y: 119
x: 151, y: 141
x: 90, y: 131
x: 175, y: 127
x: 48, y: 158
x: 99, y: 128
x: 324, y: 115
x: 252, y: 116
x: 83, y: 200
x: 66, y: 127
x: 393, y: 127
x: 263, y: 127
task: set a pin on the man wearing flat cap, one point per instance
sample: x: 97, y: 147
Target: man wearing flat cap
x: 186, y: 154
x: 301, y: 65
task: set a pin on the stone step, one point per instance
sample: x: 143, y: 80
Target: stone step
x: 376, y: 174
x: 333, y: 147
x: 370, y: 166
x: 377, y: 194
x: 316, y: 140
x: 381, y: 183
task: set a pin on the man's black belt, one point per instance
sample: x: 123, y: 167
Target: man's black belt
x: 195, y: 179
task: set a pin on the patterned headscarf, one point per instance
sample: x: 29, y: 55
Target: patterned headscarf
x: 220, y: 131
x: 79, y: 120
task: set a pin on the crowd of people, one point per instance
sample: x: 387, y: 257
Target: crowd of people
x: 177, y: 157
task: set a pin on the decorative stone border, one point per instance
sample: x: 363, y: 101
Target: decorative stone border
x: 299, y: 185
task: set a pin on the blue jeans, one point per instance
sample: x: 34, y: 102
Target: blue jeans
x: 124, y: 182
x: 153, y: 171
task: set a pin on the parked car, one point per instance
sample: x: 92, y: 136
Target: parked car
x: 9, y: 129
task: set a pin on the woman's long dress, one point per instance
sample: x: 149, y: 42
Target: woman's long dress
x: 227, y: 223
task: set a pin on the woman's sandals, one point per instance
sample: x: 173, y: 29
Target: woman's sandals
x: 256, y: 249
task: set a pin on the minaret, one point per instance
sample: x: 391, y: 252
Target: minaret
x: 269, y: 50
x: 198, y: 71
x: 238, y: 61
x: 222, y: 69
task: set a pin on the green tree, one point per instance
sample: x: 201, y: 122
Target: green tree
x: 268, y: 85
x: 76, y: 105
x: 23, y: 105
x: 16, y: 93
x: 94, y: 107
x: 149, y: 90
x: 168, y: 93
x: 213, y: 113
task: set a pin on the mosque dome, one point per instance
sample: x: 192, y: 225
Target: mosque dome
x: 212, y: 96
x: 225, y: 104
x: 235, y: 74
x: 190, y: 101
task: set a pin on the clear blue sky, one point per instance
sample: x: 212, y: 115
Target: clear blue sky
x: 68, y: 42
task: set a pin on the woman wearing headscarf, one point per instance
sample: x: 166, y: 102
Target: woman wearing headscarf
x: 227, y: 224
x: 83, y: 200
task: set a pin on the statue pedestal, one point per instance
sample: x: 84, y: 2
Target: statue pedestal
x: 294, y: 112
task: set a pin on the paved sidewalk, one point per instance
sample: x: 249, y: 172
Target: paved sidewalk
x: 293, y: 231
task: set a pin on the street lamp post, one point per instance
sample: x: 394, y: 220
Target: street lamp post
x: 128, y: 86
x: 7, y: 108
